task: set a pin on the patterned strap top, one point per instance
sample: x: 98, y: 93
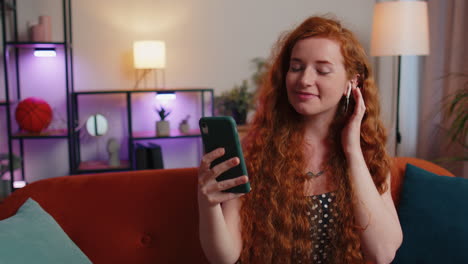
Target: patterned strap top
x: 321, y: 214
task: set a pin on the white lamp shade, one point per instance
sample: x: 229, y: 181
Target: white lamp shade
x: 149, y: 54
x: 400, y: 28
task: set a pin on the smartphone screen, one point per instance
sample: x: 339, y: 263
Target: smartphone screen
x: 221, y: 132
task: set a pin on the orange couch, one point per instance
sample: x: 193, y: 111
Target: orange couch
x: 137, y: 216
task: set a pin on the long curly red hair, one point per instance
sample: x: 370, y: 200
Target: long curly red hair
x: 273, y: 216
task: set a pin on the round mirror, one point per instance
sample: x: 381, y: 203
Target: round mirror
x: 97, y: 125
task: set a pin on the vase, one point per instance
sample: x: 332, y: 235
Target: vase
x: 184, y: 128
x: 37, y: 33
x: 162, y: 128
x: 44, y: 21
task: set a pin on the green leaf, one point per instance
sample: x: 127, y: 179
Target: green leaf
x: 163, y: 113
x: 6, y: 167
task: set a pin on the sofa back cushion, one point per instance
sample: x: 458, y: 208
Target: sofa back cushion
x: 125, y: 217
x: 433, y: 214
x: 398, y: 173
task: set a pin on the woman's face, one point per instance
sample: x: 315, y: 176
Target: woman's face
x: 316, y: 79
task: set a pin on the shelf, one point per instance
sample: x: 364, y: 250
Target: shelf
x: 4, y: 102
x: 142, y: 135
x: 35, y: 44
x: 135, y: 136
x: 53, y: 133
x: 101, y: 166
x: 144, y: 91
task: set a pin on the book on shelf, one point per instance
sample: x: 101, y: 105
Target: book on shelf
x: 141, y: 160
x: 148, y: 156
x: 155, y: 159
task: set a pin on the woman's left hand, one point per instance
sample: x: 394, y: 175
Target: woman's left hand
x: 351, y: 134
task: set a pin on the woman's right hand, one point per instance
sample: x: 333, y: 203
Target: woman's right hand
x: 210, y: 191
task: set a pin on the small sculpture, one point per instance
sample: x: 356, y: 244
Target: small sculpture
x: 113, y: 148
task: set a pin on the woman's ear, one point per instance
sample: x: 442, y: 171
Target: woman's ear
x: 356, y: 80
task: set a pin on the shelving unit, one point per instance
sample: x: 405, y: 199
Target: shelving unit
x: 13, y: 52
x: 132, y: 136
x: 16, y: 51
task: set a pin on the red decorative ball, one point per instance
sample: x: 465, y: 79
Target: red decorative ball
x: 33, y: 114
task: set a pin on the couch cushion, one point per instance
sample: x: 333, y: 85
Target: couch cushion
x: 433, y: 213
x: 33, y: 236
x: 398, y: 172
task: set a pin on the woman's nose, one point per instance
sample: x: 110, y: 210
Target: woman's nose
x: 308, y: 77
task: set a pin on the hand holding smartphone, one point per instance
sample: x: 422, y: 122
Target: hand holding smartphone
x: 221, y: 132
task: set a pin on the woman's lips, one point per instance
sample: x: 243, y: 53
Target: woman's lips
x: 306, y: 96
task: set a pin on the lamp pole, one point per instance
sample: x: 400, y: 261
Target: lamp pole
x: 397, y: 130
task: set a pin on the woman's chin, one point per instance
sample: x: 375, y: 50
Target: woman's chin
x: 305, y: 111
x: 315, y: 112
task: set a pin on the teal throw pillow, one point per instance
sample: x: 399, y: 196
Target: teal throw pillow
x: 433, y: 213
x: 33, y: 236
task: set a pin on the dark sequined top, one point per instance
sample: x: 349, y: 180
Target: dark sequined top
x: 321, y: 214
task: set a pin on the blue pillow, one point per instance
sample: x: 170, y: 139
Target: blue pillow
x: 433, y: 213
x: 33, y: 236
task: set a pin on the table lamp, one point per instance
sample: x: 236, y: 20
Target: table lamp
x: 149, y: 56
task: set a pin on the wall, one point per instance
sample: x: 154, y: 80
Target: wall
x: 209, y: 43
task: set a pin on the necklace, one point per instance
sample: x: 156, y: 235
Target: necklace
x: 314, y: 175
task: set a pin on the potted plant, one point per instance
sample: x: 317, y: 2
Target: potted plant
x: 162, y: 126
x: 455, y: 107
x: 458, y: 109
x: 239, y: 100
x: 236, y: 103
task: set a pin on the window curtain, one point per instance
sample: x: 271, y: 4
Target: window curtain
x: 445, y: 71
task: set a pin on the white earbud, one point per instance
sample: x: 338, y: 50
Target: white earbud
x: 348, y: 93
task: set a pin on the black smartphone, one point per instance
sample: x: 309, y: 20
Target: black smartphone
x: 221, y: 132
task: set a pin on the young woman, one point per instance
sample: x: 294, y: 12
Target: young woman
x: 316, y: 159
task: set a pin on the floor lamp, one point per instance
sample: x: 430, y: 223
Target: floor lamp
x: 398, y: 29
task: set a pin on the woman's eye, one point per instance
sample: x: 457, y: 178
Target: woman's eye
x: 295, y: 68
x: 323, y: 72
